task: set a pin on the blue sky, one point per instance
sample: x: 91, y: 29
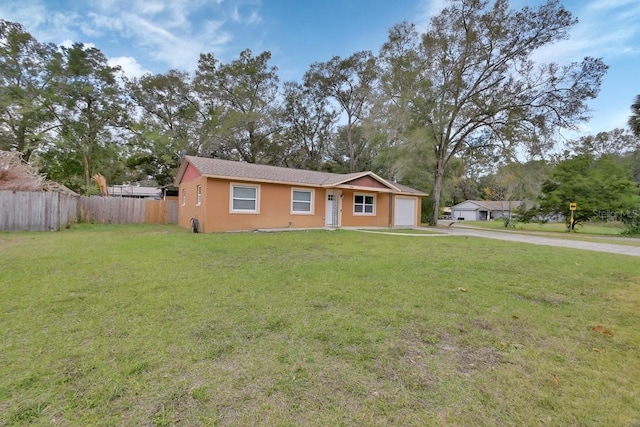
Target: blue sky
x: 157, y: 35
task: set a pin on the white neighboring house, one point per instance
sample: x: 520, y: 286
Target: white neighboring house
x: 483, y: 210
x: 134, y: 191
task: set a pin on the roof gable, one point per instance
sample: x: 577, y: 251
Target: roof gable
x: 190, y: 173
x: 366, y: 181
x: 467, y: 205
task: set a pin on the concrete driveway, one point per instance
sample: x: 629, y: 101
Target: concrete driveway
x: 514, y: 236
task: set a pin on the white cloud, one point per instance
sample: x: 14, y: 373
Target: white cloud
x: 171, y: 32
x: 152, y: 8
x: 610, y: 4
x: 254, y: 18
x: 606, y: 28
x: 68, y: 43
x: 129, y: 65
x: 427, y: 10
x: 29, y: 14
x: 236, y: 14
x: 42, y: 23
x: 246, y: 13
x: 101, y: 24
x: 174, y: 34
x: 177, y: 49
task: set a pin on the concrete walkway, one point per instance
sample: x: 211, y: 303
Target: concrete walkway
x: 514, y: 236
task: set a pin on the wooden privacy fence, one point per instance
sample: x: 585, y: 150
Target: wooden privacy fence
x: 123, y: 210
x: 37, y: 210
x: 49, y: 211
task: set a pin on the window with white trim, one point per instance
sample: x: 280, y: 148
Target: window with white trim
x: 244, y: 198
x: 301, y: 201
x: 364, y: 204
x: 198, y: 195
x: 184, y: 197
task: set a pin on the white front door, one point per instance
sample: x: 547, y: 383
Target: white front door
x: 332, y: 211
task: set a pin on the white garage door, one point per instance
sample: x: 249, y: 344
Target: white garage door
x: 405, y: 212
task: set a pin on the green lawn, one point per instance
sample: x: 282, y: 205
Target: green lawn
x: 612, y: 229
x: 597, y: 233
x: 400, y: 231
x: 152, y: 325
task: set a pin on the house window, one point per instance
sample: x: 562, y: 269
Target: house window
x: 301, y: 201
x: 199, y: 195
x: 244, y: 198
x: 364, y: 204
x: 184, y: 197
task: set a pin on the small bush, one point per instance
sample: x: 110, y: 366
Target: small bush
x: 632, y: 224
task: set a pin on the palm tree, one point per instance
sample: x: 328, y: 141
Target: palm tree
x: 634, y: 119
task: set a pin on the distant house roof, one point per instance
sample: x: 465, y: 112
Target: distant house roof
x: 134, y: 191
x: 491, y: 205
x: 227, y: 169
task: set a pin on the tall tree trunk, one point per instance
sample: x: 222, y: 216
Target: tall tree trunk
x: 87, y: 172
x: 437, y: 190
x: 352, y: 150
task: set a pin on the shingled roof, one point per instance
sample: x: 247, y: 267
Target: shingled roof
x: 217, y: 168
x: 495, y: 205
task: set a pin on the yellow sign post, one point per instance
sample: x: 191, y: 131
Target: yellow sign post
x: 572, y: 207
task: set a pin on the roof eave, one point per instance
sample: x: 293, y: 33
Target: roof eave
x: 416, y: 194
x: 261, y: 180
x: 361, y: 188
x: 181, y: 171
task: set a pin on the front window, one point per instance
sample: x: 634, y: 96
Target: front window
x: 184, y: 197
x: 301, y: 201
x: 244, y: 198
x: 199, y: 195
x: 364, y: 204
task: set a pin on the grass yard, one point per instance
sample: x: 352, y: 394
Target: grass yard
x: 612, y: 229
x: 599, y: 233
x: 152, y: 325
x: 399, y: 231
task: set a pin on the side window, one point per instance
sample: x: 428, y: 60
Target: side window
x: 301, y: 201
x: 198, y: 195
x: 184, y: 197
x: 244, y: 198
x: 364, y: 204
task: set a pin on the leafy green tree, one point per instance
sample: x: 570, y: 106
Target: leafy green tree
x: 479, y: 87
x: 90, y: 111
x: 169, y: 124
x: 349, y: 82
x: 600, y: 188
x: 241, y: 103
x: 617, y: 142
x: 632, y: 162
x: 357, y: 155
x: 397, y: 111
x: 26, y: 120
x: 634, y: 119
x: 516, y: 182
x: 308, y: 121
